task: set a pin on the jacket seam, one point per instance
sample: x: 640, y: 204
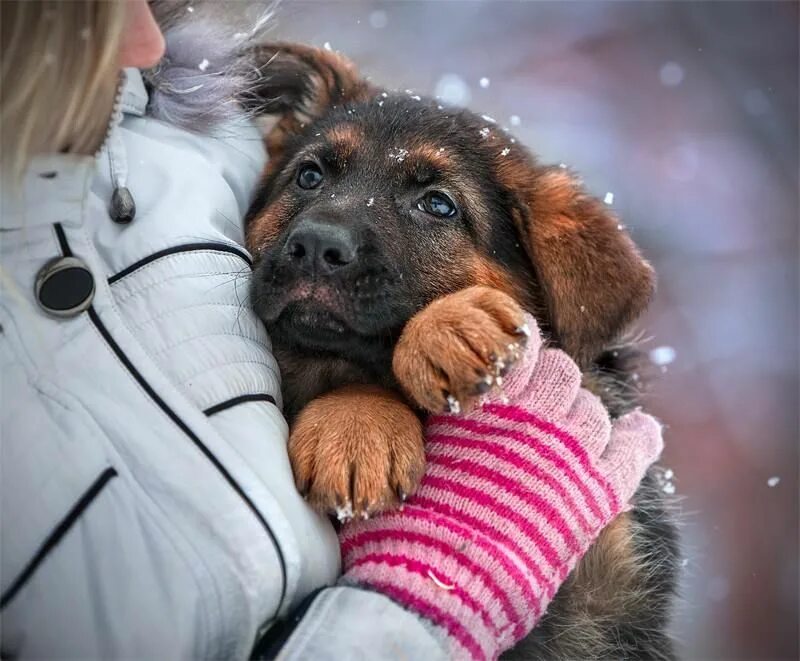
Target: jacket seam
x: 174, y: 311
x: 57, y: 534
x: 170, y: 347
x: 241, y: 399
x: 208, y: 247
x: 121, y: 298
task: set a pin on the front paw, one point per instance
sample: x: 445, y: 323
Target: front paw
x: 356, y: 451
x: 459, y: 347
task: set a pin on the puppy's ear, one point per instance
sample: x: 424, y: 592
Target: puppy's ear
x: 301, y: 83
x: 593, y: 279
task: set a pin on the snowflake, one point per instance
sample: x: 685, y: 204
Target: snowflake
x: 398, y: 155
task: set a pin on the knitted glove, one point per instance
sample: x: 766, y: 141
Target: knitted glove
x: 514, y: 494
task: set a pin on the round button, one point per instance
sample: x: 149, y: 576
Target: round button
x: 65, y: 287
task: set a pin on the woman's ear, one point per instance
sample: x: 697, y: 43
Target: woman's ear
x: 593, y: 279
x: 299, y: 84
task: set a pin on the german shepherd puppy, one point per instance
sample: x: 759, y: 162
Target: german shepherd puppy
x: 396, y: 244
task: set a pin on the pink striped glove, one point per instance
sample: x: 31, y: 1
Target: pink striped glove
x: 514, y: 494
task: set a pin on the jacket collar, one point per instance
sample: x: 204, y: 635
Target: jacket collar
x: 55, y: 186
x: 134, y: 94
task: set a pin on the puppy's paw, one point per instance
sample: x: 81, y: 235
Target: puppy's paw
x: 356, y: 451
x: 459, y: 347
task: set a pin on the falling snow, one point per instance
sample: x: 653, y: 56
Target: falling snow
x: 671, y: 74
x: 370, y: 201
x: 487, y: 118
x: 773, y: 481
x: 505, y: 152
x: 515, y: 120
x: 609, y: 198
x: 327, y: 45
x: 484, y: 82
x: 485, y: 132
x: 662, y: 355
x: 203, y: 65
x: 452, y: 89
x: 378, y: 19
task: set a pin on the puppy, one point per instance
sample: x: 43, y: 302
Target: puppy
x: 397, y: 243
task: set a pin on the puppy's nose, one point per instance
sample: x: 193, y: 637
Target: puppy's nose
x: 323, y: 247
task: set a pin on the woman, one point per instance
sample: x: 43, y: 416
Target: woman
x: 148, y: 508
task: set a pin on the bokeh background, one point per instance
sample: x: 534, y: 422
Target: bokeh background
x: 687, y: 112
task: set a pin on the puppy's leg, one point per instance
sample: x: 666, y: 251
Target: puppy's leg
x: 357, y: 450
x: 458, y: 347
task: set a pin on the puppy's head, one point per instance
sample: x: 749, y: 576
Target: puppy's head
x: 375, y: 203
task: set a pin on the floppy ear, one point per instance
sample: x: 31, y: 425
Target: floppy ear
x: 301, y: 83
x: 593, y: 280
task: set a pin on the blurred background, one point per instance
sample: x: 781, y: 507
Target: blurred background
x: 687, y: 113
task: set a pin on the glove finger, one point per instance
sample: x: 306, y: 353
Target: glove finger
x: 636, y: 442
x: 553, y: 386
x: 588, y: 421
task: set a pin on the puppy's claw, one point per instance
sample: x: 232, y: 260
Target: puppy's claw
x: 484, y: 386
x: 524, y: 331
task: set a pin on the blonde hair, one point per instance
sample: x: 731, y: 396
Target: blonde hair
x: 58, y: 76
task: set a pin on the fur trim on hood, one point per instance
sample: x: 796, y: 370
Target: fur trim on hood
x: 206, y: 68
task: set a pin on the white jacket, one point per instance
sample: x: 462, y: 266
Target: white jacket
x: 148, y: 506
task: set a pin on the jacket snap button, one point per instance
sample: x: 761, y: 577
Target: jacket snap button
x: 64, y: 287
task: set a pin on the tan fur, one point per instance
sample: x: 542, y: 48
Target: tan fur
x: 490, y: 274
x: 345, y: 139
x: 429, y: 155
x: 449, y: 345
x: 594, y: 280
x: 263, y: 230
x: 360, y: 446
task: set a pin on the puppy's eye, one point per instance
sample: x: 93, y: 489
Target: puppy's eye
x: 437, y: 204
x: 309, y: 176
